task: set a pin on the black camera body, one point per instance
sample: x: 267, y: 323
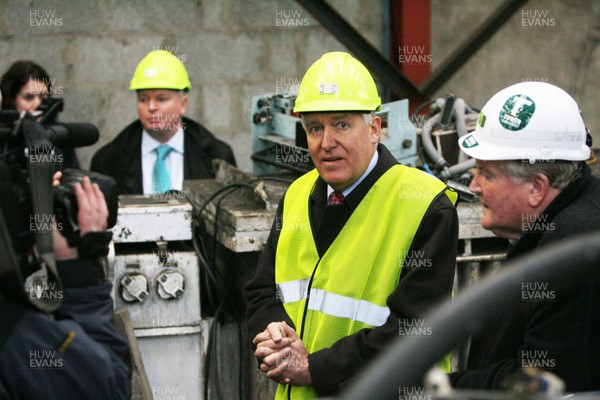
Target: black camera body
x: 30, y: 205
x: 65, y: 202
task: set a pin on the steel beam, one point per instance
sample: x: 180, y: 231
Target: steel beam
x: 469, y: 47
x: 389, y: 74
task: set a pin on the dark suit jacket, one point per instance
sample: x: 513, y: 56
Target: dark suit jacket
x: 121, y: 158
x: 559, y: 333
x: 418, y: 290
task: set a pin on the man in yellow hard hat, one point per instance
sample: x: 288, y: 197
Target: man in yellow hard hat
x: 158, y: 151
x: 362, y: 246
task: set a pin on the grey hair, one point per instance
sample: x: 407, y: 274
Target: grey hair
x: 367, y: 117
x: 560, y: 173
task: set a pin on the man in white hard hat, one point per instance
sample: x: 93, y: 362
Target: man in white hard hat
x: 530, y: 145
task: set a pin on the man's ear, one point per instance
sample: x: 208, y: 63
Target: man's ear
x: 184, y: 103
x: 539, y: 190
x: 375, y: 127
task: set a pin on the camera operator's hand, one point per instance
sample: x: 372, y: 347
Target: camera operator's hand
x: 91, y: 217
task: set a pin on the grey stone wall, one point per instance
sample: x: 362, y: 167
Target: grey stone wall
x: 233, y: 50
x: 236, y: 49
x: 547, y: 40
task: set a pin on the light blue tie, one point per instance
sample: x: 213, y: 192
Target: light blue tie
x: 161, y: 181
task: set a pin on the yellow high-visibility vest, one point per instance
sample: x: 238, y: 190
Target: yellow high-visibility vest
x: 344, y: 291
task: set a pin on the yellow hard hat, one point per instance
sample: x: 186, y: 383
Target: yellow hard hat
x: 160, y: 70
x: 337, y: 82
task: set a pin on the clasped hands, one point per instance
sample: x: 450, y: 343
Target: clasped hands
x: 282, y: 355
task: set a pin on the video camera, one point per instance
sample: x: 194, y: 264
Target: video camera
x: 60, y: 134
x: 30, y: 154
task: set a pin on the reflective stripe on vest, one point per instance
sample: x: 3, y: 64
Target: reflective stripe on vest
x: 352, y: 281
x: 333, y: 304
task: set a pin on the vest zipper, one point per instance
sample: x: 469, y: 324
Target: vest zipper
x: 308, y: 298
x: 289, y: 392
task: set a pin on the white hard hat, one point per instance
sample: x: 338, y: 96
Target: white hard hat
x: 528, y: 121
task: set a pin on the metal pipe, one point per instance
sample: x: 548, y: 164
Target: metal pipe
x: 405, y: 362
x: 458, y: 169
x: 480, y: 257
x: 430, y: 149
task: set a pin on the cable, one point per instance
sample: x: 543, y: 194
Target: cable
x: 241, y: 381
x: 198, y: 247
x: 209, y: 357
x: 215, y: 223
x: 458, y: 110
x: 422, y: 106
x: 271, y: 178
x: 218, y: 192
x: 427, y: 169
x: 216, y: 288
x: 216, y: 282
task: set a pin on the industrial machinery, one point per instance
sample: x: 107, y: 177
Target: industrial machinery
x: 279, y: 142
x: 426, y: 141
x: 157, y: 277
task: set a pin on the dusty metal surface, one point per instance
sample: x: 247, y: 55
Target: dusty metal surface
x: 169, y: 330
x: 150, y: 218
x: 244, y: 224
x: 245, y: 214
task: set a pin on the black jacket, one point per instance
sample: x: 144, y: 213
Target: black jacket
x: 560, y: 331
x: 122, y: 159
x: 419, y: 289
x: 73, y: 353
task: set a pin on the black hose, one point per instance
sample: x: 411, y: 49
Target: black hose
x: 216, y: 285
x: 422, y: 106
x: 407, y: 360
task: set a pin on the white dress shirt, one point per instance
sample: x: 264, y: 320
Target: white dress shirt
x: 174, y: 161
x: 350, y: 188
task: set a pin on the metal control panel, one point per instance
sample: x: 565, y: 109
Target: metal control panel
x: 156, y: 276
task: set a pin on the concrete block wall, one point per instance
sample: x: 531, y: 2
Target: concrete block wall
x: 233, y: 50
x: 551, y: 41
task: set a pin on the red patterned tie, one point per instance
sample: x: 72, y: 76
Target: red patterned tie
x: 336, y: 199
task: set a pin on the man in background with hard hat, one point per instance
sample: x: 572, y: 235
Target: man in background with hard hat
x: 361, y: 247
x: 158, y: 151
x: 531, y: 145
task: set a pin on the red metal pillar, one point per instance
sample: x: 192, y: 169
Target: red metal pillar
x: 411, y: 41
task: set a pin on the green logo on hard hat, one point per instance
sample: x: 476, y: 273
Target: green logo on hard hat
x: 516, y: 112
x: 469, y: 142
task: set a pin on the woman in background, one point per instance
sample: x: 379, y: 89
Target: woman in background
x: 24, y: 86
